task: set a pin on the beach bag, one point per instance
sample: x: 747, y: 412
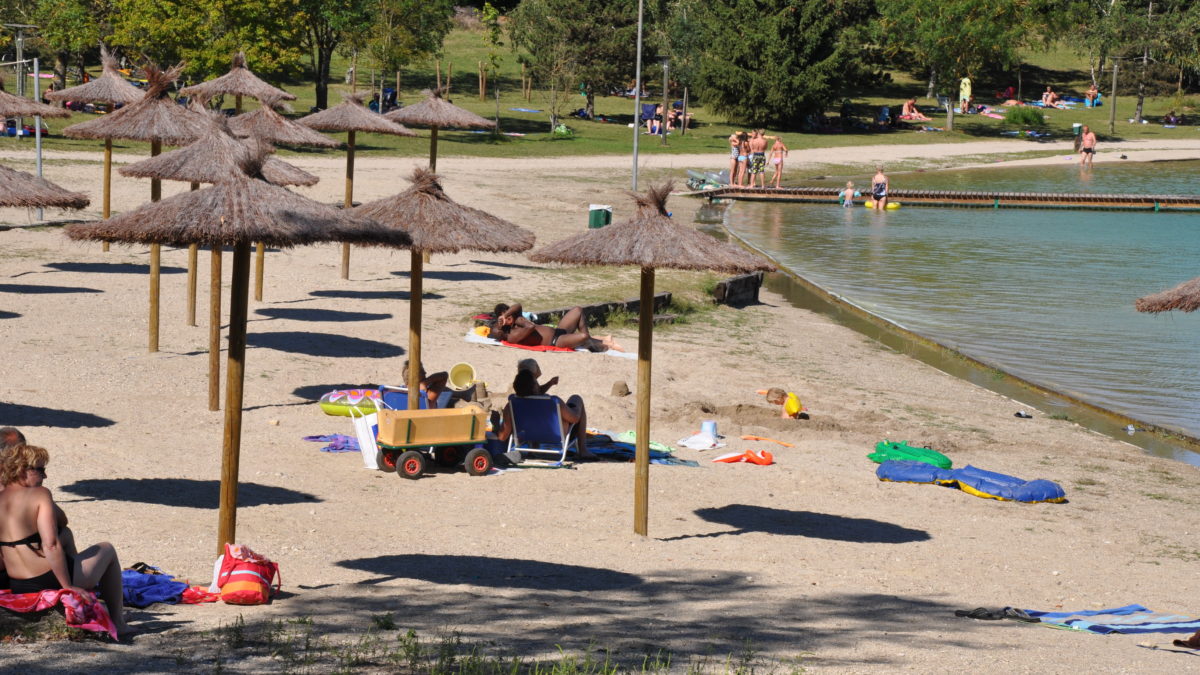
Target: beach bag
x: 243, y: 577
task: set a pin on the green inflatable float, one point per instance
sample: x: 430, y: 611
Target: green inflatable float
x: 904, y: 452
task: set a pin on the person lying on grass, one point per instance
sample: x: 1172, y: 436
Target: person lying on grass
x: 571, y: 333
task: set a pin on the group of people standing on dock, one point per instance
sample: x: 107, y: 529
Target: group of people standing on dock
x: 748, y: 157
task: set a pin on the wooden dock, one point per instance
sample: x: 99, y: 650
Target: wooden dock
x: 968, y: 199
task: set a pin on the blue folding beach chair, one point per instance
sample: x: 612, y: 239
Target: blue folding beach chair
x: 396, y: 398
x: 538, y: 427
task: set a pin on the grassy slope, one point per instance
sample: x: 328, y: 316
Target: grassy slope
x: 1067, y: 72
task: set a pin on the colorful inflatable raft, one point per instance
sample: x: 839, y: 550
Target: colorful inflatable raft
x: 978, y: 482
x: 351, y: 402
x: 902, y: 451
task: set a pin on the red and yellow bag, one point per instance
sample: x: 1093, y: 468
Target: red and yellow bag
x: 244, y: 577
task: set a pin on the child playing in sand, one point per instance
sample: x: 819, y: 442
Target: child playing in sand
x: 778, y: 152
x: 847, y: 195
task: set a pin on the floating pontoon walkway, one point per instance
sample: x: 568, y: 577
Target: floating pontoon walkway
x: 965, y: 199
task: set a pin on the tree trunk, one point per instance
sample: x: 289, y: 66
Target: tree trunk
x: 324, y: 57
x: 931, y: 88
x: 61, y: 61
x: 591, y: 103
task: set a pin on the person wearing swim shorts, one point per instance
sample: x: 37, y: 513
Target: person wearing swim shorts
x: 879, y: 188
x: 743, y: 158
x: 847, y: 195
x: 778, y: 152
x: 1087, y: 146
x: 758, y: 158
x: 34, y: 554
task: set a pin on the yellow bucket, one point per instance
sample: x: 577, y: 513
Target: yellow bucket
x: 462, y: 376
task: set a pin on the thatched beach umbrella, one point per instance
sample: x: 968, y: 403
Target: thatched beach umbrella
x: 436, y: 112
x: 213, y: 158
x: 110, y: 88
x: 240, y: 82
x: 351, y: 116
x: 438, y: 224
x: 1183, y: 298
x: 274, y: 128
x: 21, y: 189
x: 649, y: 240
x: 19, y: 106
x: 156, y: 119
x: 236, y: 213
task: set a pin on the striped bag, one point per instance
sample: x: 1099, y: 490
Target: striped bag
x: 243, y: 577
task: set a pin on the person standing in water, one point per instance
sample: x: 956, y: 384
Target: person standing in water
x: 1087, y: 147
x: 879, y: 188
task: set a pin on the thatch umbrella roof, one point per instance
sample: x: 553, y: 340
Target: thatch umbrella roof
x: 19, y: 106
x: 1183, y: 298
x: 21, y: 189
x: 438, y: 224
x: 110, y: 87
x: 352, y: 115
x: 272, y: 127
x: 436, y: 111
x: 649, y: 240
x: 238, y: 212
x: 153, y: 118
x: 214, y: 157
x: 239, y: 81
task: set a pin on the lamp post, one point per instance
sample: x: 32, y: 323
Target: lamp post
x: 637, y: 95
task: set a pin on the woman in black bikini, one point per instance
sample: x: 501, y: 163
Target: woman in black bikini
x: 34, y: 554
x: 571, y: 333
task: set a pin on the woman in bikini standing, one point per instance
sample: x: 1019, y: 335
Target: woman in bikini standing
x: 735, y: 146
x: 743, y: 159
x: 34, y: 554
x: 778, y: 152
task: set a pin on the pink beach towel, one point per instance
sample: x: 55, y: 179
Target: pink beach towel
x: 88, y: 615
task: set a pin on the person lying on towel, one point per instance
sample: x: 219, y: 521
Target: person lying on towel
x: 571, y: 333
x: 34, y: 553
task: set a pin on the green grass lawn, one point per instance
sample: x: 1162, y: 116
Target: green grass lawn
x: 1060, y: 67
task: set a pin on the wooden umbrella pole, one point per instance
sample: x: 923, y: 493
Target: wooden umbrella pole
x: 155, y: 257
x: 214, y: 330
x: 193, y: 258
x: 641, y: 470
x: 414, y: 330
x: 433, y: 148
x: 239, y: 298
x: 107, y: 183
x: 260, y: 260
x: 349, y: 202
x: 237, y: 104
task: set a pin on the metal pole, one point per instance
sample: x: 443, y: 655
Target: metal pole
x: 662, y: 124
x: 637, y: 95
x: 1112, y: 101
x: 37, y: 125
x: 20, y: 61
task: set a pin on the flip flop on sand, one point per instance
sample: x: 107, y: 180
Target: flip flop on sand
x: 980, y: 613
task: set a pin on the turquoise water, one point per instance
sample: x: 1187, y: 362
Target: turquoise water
x: 1045, y: 295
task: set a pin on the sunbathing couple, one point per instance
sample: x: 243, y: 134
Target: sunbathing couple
x: 37, y: 549
x: 509, y: 325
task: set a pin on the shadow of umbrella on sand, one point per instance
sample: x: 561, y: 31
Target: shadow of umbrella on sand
x: 214, y: 157
x: 109, y: 88
x: 351, y: 116
x: 438, y: 224
x: 1183, y: 298
x: 270, y: 126
x: 237, y: 212
x: 436, y: 112
x: 156, y: 119
x: 649, y: 240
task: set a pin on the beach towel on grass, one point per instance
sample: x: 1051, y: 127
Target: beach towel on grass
x: 1130, y: 619
x: 78, y: 613
x: 472, y: 336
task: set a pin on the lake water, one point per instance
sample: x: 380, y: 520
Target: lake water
x: 1045, y: 295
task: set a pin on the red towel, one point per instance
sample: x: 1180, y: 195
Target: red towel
x: 538, y: 348
x: 79, y: 613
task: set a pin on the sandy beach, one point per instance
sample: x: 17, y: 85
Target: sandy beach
x: 811, y: 563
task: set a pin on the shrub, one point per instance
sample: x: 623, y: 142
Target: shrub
x: 1024, y: 116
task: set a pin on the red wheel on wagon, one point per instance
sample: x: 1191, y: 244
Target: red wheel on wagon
x: 411, y: 464
x: 478, y: 462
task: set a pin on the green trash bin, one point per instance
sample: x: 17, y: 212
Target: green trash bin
x: 599, y: 215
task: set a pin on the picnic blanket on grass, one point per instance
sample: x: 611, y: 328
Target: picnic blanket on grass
x: 78, y: 613
x: 479, y: 339
x: 1130, y: 619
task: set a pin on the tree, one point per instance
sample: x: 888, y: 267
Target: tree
x: 403, y: 30
x: 590, y: 39
x: 325, y: 24
x: 68, y: 28
x: 792, y: 59
x: 549, y: 55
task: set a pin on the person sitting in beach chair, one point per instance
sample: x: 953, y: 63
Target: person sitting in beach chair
x: 432, y: 386
x: 509, y: 325
x: 532, y: 419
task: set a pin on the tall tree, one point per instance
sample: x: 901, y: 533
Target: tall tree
x: 590, y: 39
x: 68, y: 28
x: 778, y: 61
x: 326, y: 24
x: 403, y: 30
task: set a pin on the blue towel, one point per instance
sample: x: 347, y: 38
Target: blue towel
x: 143, y: 590
x: 1130, y: 619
